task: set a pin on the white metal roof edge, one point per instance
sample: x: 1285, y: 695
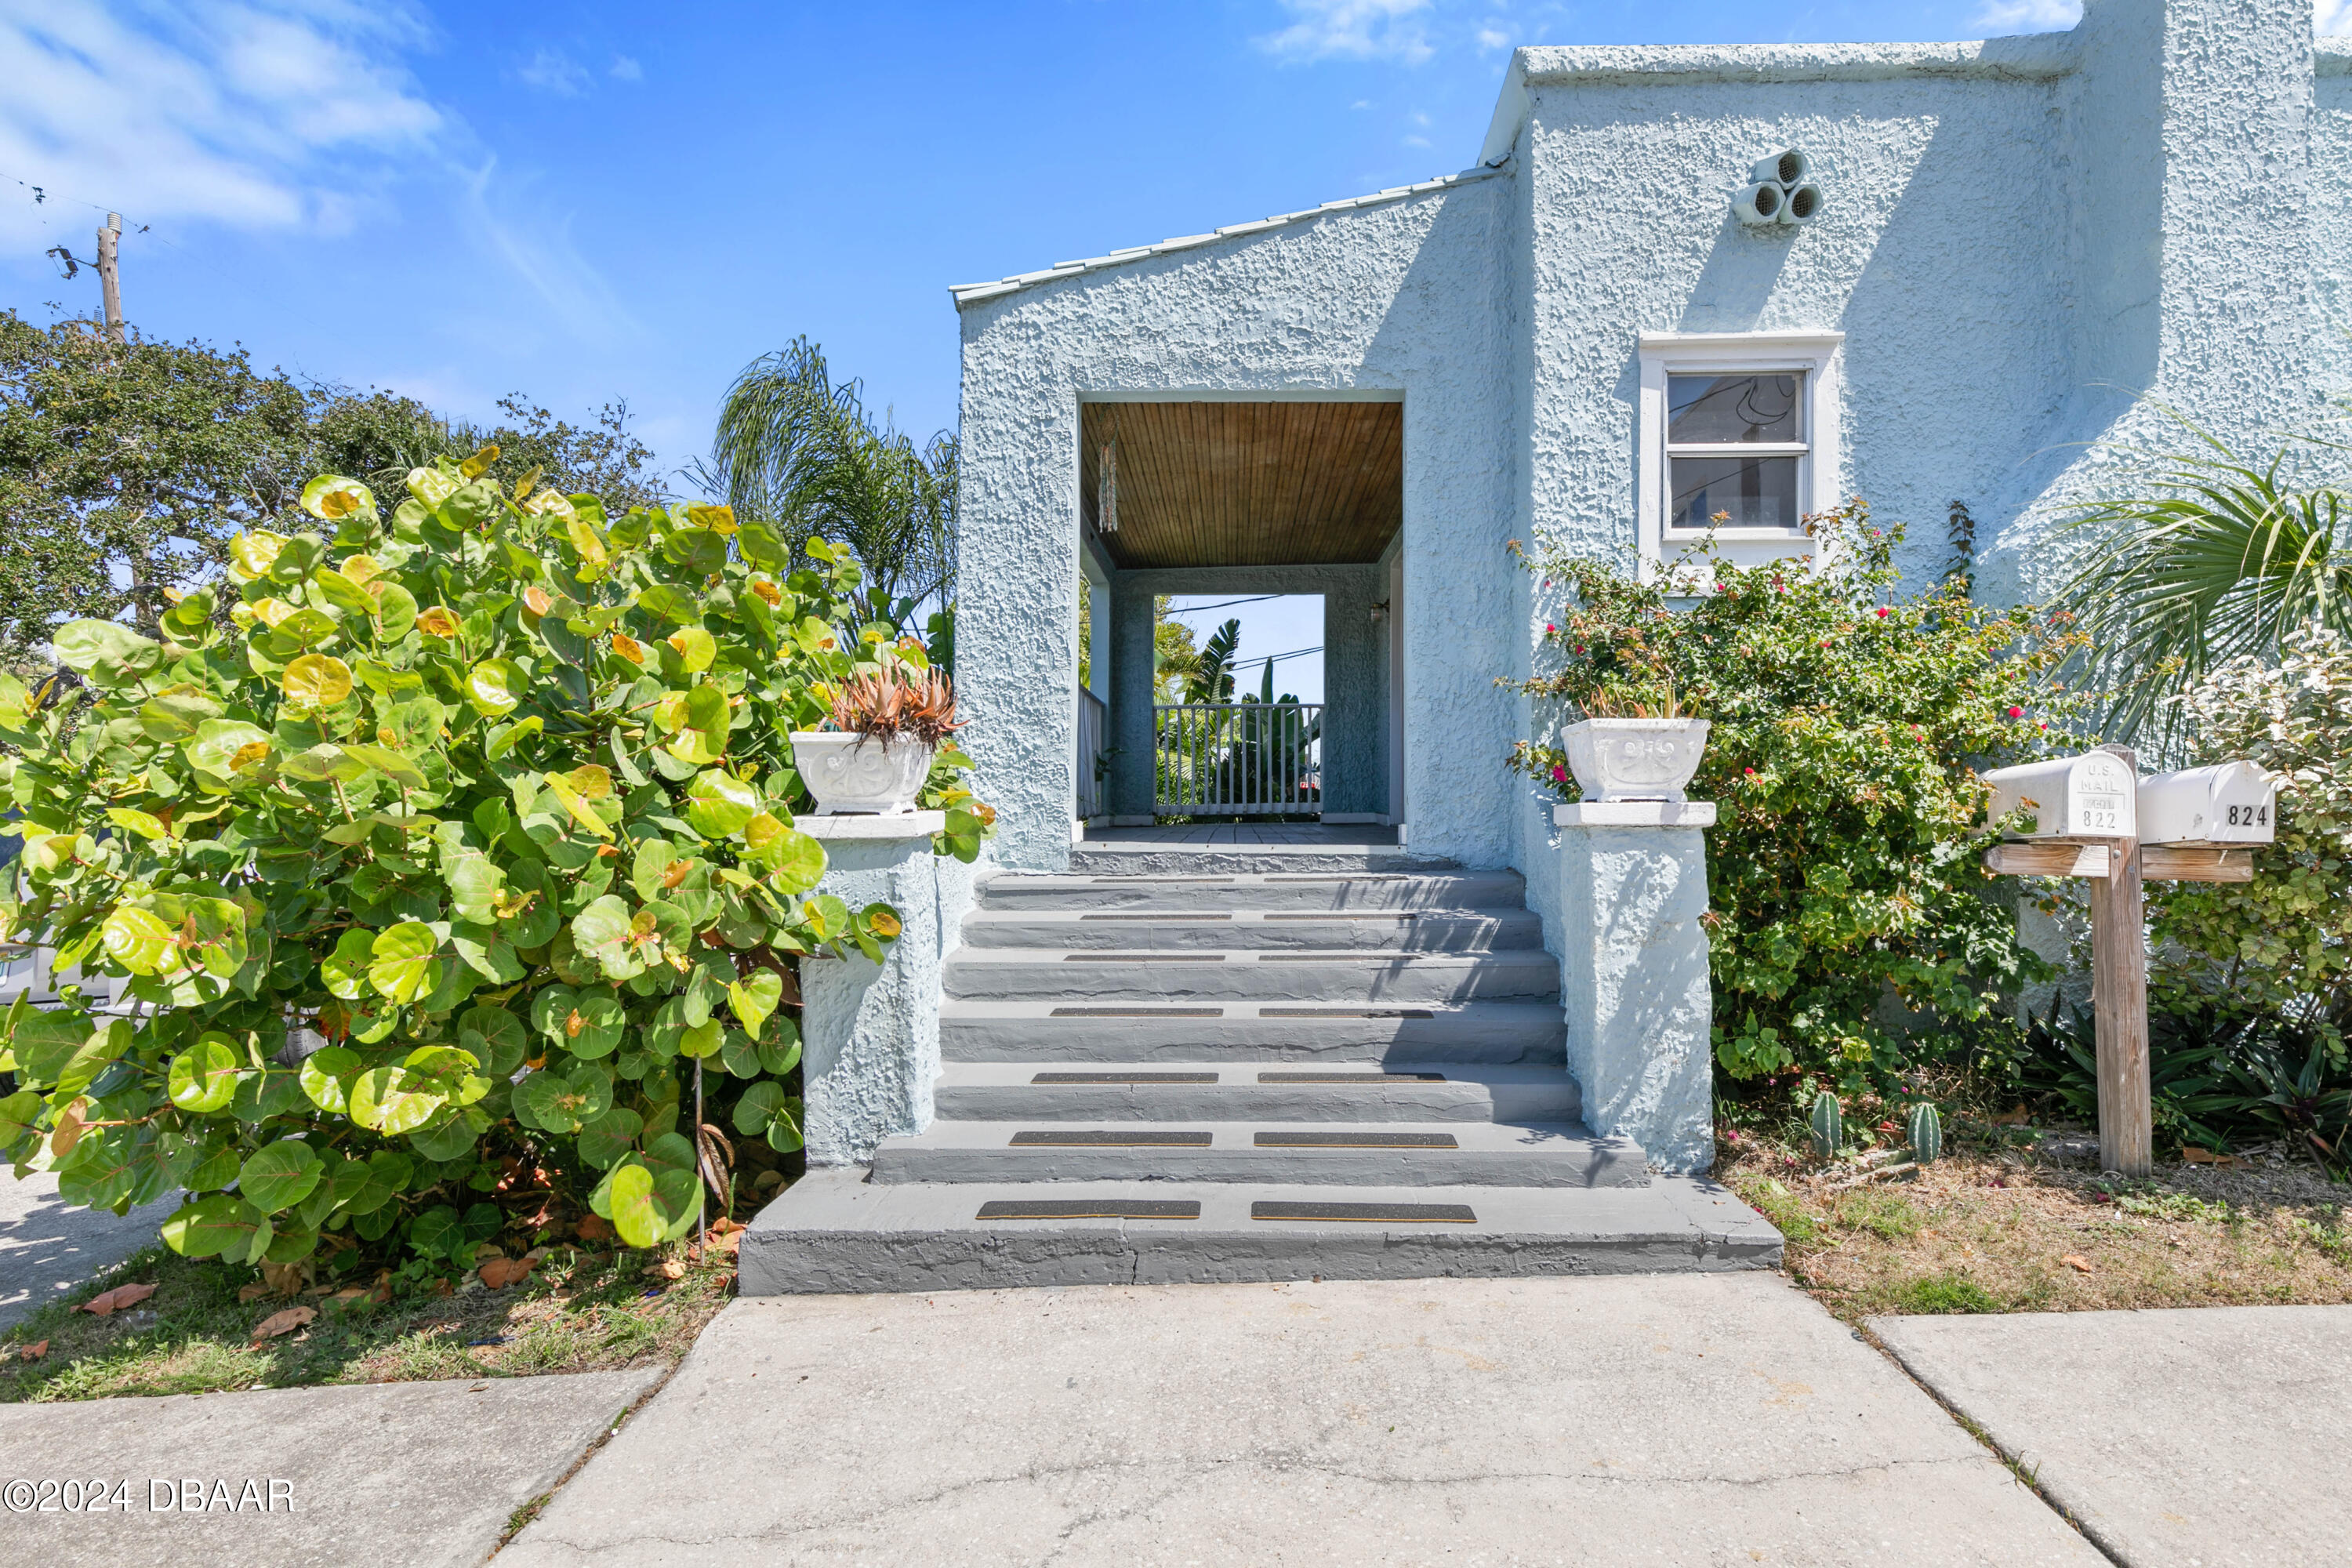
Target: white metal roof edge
x: 974, y: 293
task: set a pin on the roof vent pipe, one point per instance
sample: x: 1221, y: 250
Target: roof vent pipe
x: 1781, y: 192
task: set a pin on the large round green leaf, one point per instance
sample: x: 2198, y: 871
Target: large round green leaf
x: 718, y: 803
x: 392, y: 1100
x: 327, y: 1075
x: 401, y: 965
x: 631, y: 1195
x: 109, y: 653
x: 210, y: 1227
x: 557, y: 1103
x: 755, y: 997
x: 202, y: 1078
x: 603, y: 1140
x: 139, y: 941
x: 607, y: 931
x: 495, y: 687
x: 497, y: 1039
x: 317, y: 680
x: 758, y: 1107
x: 278, y: 1175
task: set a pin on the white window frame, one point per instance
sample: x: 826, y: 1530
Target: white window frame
x: 1818, y: 357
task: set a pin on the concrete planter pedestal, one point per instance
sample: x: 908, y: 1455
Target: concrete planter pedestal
x: 870, y: 1032
x: 1634, y: 972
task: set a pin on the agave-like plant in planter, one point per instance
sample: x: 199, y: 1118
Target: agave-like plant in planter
x: 890, y: 748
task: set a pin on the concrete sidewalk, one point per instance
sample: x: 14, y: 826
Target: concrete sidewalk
x: 409, y: 1475
x: 1677, y: 1419
x: 2211, y: 1436
x: 46, y: 1249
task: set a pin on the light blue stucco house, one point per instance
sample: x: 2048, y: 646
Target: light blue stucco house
x: 2014, y: 251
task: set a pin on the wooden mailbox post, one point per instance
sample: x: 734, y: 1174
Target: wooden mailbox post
x: 2097, y: 819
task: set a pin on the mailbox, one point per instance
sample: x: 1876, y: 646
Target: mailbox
x: 2089, y: 797
x: 2231, y: 802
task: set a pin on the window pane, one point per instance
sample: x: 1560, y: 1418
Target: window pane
x: 1721, y: 408
x: 1757, y: 492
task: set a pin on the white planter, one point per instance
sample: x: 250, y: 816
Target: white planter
x: 855, y: 775
x: 1634, y: 758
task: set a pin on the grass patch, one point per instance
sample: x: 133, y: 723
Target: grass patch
x: 579, y: 1312
x: 1998, y: 1228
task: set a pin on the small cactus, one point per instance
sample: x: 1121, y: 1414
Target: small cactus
x: 1828, y: 1125
x: 1926, y: 1134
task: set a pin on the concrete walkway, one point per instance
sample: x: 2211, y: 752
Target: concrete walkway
x: 48, y: 1248
x: 1681, y: 1419
x: 417, y: 1475
x: 2204, y: 1437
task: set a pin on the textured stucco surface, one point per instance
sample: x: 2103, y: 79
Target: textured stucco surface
x: 870, y: 1032
x: 1633, y: 979
x: 1407, y: 297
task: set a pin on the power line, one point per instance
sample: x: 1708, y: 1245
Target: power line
x: 1271, y: 657
x: 1194, y: 609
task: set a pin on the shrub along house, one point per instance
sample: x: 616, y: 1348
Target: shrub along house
x: 1676, y: 282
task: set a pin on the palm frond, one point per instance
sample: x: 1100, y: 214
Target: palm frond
x: 2214, y: 558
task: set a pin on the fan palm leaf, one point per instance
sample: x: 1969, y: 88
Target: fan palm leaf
x: 2216, y: 557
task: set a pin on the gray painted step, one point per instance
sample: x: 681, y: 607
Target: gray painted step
x: 833, y: 1231
x: 1418, y: 931
x: 1387, y: 1153
x: 1227, y: 1092
x: 1107, y: 974
x: 1529, y: 1032
x: 1227, y: 890
x: 1113, y: 859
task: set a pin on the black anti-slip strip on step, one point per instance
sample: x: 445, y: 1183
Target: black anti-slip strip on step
x: 1145, y: 1078
x: 1138, y: 1012
x: 1357, y: 1141
x: 1156, y: 917
x: 1109, y: 1138
x: 1376, y: 957
x: 1088, y: 1208
x: 1164, y: 879
x: 1345, y: 1013
x: 1351, y: 1077
x: 1374, y: 1214
x: 1359, y: 877
x: 1337, y: 915
x: 1143, y: 958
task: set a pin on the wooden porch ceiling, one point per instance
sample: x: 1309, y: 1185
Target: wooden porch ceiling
x: 1246, y: 484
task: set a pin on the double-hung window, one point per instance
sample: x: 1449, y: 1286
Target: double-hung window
x: 1738, y: 442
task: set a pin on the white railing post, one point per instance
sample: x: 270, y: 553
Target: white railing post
x: 1237, y: 758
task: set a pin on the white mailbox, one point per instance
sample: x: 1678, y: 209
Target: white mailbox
x: 2089, y: 797
x: 2230, y: 802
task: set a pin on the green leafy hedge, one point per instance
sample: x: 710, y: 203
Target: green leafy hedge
x: 495, y: 796
x: 1848, y: 721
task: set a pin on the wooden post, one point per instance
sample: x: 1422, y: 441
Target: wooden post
x: 110, y: 277
x: 2119, y: 1002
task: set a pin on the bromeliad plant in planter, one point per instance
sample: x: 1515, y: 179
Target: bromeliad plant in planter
x: 1845, y: 719
x: 1633, y: 742
x: 889, y: 723
x: 489, y: 804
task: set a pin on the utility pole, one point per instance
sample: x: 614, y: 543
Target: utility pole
x: 109, y: 276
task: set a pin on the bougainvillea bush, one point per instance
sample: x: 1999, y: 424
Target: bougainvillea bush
x: 1850, y: 719
x: 446, y: 869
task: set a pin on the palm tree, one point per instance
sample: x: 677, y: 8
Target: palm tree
x: 2220, y: 557
x: 800, y: 452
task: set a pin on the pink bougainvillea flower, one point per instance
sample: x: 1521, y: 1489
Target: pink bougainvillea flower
x: 2017, y: 712
x: 1550, y: 629
x: 1558, y: 774
x: 1883, y: 612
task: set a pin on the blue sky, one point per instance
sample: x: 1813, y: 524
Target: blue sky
x: 601, y: 201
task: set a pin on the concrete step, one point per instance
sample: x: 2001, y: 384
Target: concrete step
x: 1353, y: 931
x: 1386, y: 1154
x: 1214, y: 890
x: 1528, y: 1032
x: 1105, y: 975
x: 1159, y: 860
x: 833, y: 1231
x: 1223, y: 1091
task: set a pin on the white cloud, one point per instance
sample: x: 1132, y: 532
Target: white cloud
x: 538, y: 246
x: 552, y: 70
x: 626, y: 70
x: 2029, y: 15
x: 258, y: 114
x: 2332, y: 18
x: 1351, y: 30
x: 1494, y: 39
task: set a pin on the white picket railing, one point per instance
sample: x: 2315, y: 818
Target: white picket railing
x: 1238, y: 759
x: 1094, y: 731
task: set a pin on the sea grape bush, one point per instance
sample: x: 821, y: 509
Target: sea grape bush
x: 438, y: 863
x: 1850, y: 719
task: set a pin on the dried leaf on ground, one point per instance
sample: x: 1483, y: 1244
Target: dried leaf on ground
x: 114, y: 1300
x: 2077, y: 1262
x: 33, y: 1351
x: 2196, y: 1156
x: 2014, y: 1117
x: 498, y: 1273
x: 253, y: 1292
x: 596, y: 1228
x: 286, y: 1278
x: 670, y: 1269
x: 722, y: 1225
x: 284, y: 1322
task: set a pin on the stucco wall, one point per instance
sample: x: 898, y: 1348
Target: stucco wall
x: 1405, y: 297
